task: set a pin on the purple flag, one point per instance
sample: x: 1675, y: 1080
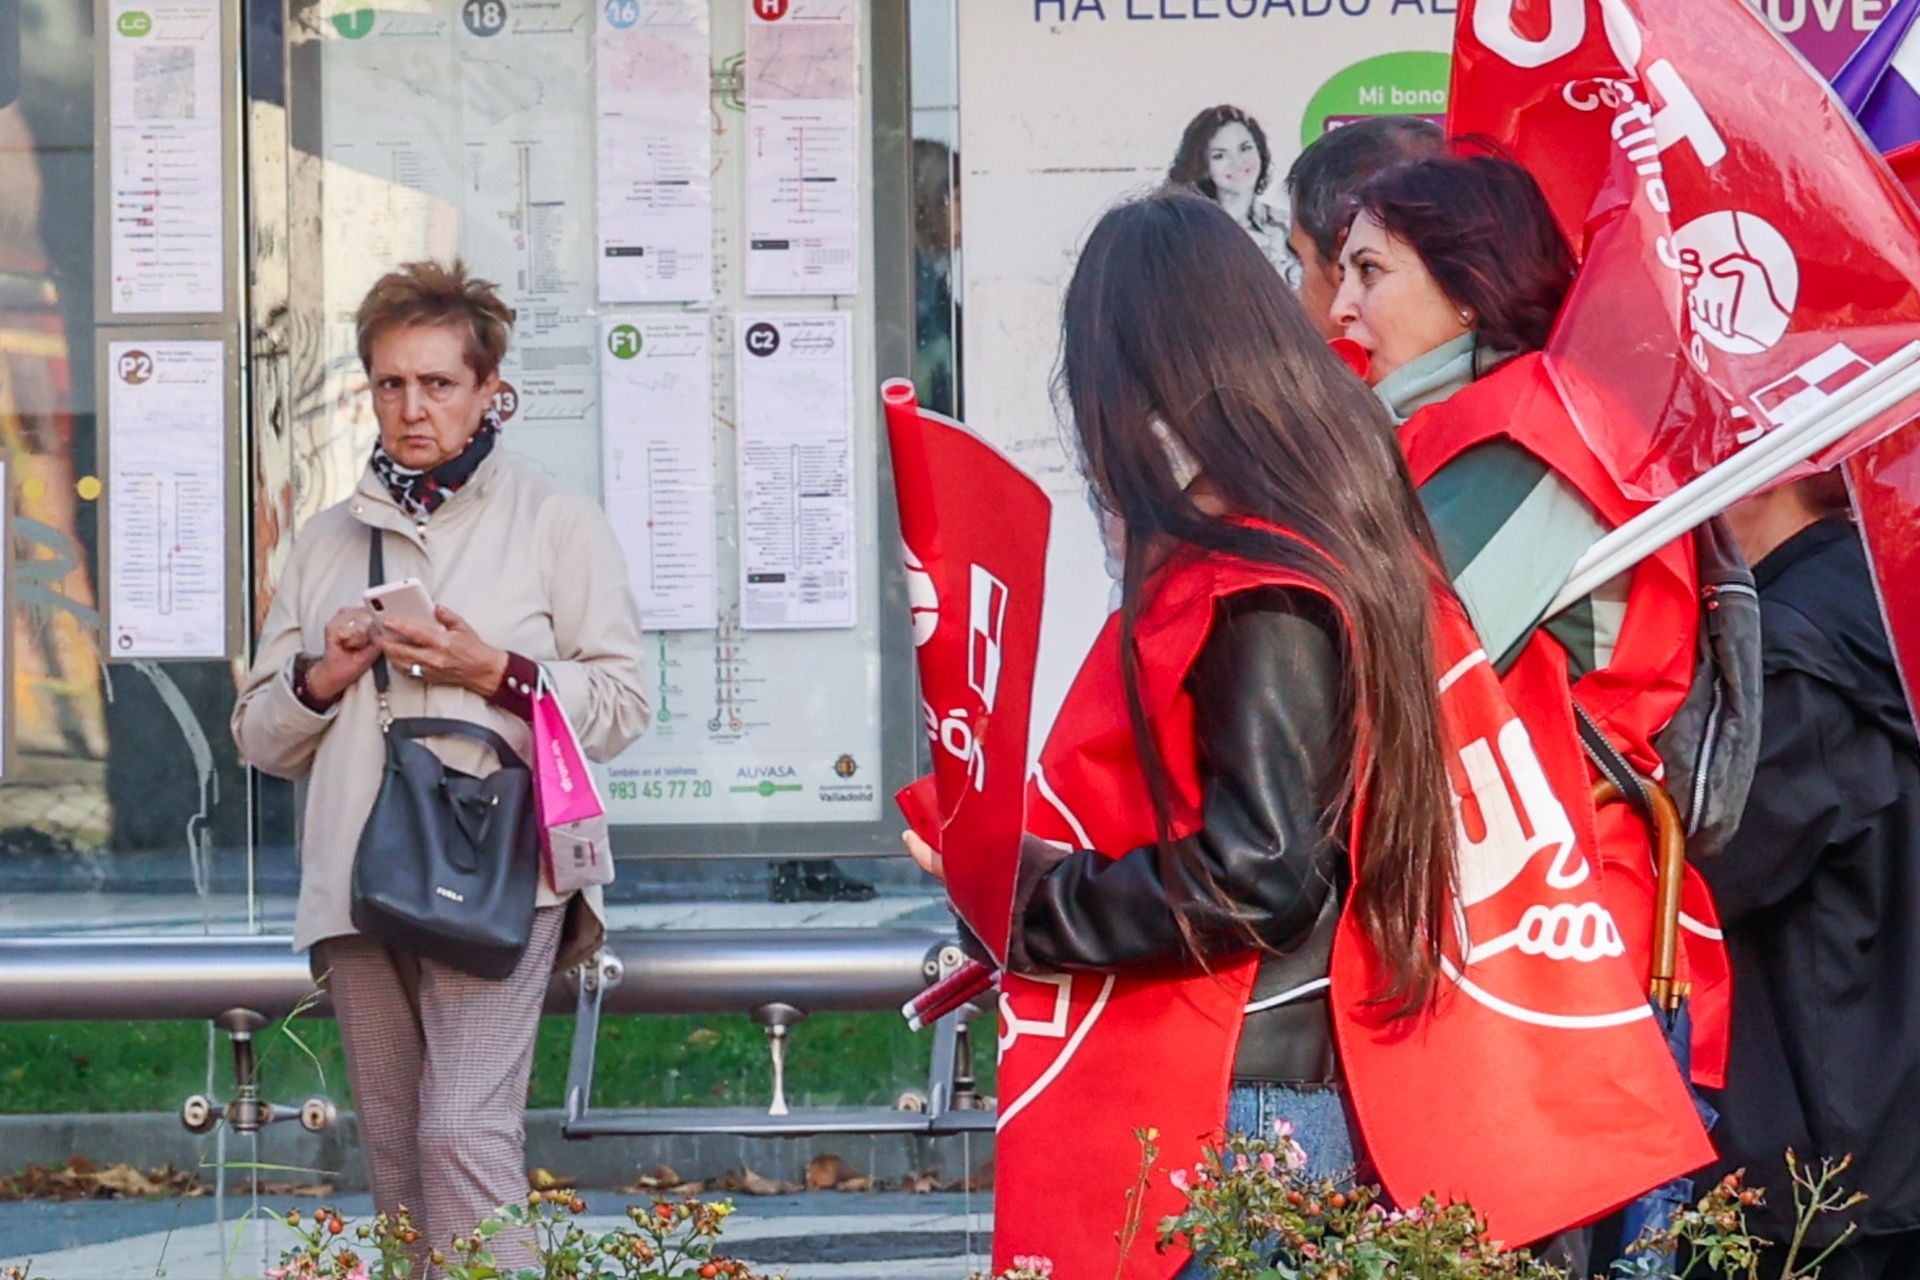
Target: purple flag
x: 1881, y: 81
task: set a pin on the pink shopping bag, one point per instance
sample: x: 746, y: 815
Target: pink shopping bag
x: 573, y: 820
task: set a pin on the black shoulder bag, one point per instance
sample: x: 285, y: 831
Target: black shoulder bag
x: 1711, y: 747
x: 447, y: 866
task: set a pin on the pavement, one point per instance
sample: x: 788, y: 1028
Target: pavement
x: 846, y: 1236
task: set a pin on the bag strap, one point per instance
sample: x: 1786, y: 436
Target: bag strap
x: 377, y: 576
x: 1613, y: 766
x: 440, y: 727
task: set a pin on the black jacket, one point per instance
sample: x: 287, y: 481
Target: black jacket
x: 1260, y: 874
x: 1820, y: 896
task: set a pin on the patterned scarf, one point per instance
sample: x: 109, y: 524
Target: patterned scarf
x: 420, y: 493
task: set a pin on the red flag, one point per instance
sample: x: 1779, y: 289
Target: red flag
x: 1885, y: 481
x: 975, y: 529
x: 1746, y: 256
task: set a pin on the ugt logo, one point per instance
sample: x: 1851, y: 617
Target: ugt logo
x: 1533, y: 940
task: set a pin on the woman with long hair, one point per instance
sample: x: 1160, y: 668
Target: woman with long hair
x: 1251, y: 774
x: 1223, y: 154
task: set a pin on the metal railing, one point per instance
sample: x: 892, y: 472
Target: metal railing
x: 776, y: 978
x: 92, y: 979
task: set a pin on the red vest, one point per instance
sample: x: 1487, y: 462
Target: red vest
x: 1446, y: 1100
x: 1632, y: 698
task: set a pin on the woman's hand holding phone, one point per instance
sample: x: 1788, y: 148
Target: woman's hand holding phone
x: 444, y: 651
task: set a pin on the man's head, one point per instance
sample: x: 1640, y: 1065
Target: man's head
x: 1319, y: 183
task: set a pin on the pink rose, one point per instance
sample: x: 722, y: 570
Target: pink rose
x: 1179, y: 1179
x: 1267, y: 1162
x: 1283, y: 1129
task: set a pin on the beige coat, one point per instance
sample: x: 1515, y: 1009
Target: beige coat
x: 533, y: 568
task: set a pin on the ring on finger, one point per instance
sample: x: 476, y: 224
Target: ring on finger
x: 415, y: 671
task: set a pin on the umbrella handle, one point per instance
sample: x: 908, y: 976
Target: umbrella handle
x: 1670, y: 868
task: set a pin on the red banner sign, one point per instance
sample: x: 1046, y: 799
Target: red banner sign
x: 1746, y: 254
x: 975, y: 529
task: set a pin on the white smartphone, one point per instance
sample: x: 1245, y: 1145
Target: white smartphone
x: 406, y: 599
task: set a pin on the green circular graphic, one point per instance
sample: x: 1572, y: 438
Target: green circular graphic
x: 354, y: 23
x: 134, y: 23
x: 1392, y: 84
x: 623, y: 341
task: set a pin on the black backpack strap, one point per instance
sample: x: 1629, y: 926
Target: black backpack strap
x: 1613, y: 766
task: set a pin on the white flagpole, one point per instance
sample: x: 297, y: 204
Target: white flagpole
x: 1707, y: 495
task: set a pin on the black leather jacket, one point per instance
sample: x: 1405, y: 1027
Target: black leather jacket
x: 1260, y: 873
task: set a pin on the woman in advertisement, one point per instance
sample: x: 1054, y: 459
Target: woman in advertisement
x: 1223, y: 154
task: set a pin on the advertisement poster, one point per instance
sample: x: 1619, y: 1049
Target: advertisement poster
x: 1825, y: 32
x: 1087, y: 103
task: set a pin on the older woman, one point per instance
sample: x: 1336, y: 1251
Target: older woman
x: 525, y: 576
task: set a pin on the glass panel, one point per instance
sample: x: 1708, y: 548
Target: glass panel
x: 761, y: 797
x: 425, y: 130
x: 123, y: 806
x: 936, y: 206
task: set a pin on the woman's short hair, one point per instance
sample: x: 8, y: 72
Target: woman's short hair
x: 1485, y: 231
x: 434, y: 293
x: 1189, y: 167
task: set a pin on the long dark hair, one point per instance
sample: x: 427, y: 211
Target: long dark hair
x: 1190, y: 168
x: 1486, y: 233
x: 1173, y: 318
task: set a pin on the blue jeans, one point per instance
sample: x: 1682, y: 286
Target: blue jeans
x: 1319, y: 1119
